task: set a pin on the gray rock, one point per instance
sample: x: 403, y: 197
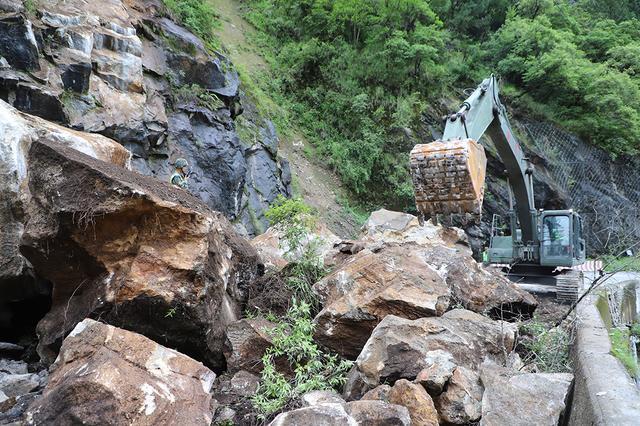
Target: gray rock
x: 244, y: 383
x: 318, y: 415
x: 378, y: 413
x: 18, y: 384
x: 525, y: 399
x: 439, y: 369
x: 12, y: 366
x: 461, y: 402
x: 320, y: 397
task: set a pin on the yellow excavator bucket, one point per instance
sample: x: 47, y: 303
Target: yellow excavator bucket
x: 448, y: 177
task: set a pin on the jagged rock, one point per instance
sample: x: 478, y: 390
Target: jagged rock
x: 389, y: 227
x: 321, y: 415
x: 398, y: 347
x: 132, y: 251
x: 439, y: 369
x: 244, y: 384
x: 416, y: 400
x: 7, y: 348
x: 17, y: 132
x: 245, y: 343
x: 320, y: 397
x: 523, y: 399
x: 368, y: 287
x: 13, y: 367
x: 378, y: 413
x: 18, y: 384
x: 11, y: 6
x: 272, y: 248
x: 106, y: 375
x: 18, y: 43
x: 461, y: 402
x: 380, y: 393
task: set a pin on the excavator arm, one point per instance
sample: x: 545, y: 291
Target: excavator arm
x: 448, y: 174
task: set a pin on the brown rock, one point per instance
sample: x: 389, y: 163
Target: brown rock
x: 368, y: 287
x: 524, y: 399
x: 109, y: 376
x: 417, y: 401
x: 398, y: 347
x: 378, y: 413
x: 245, y: 344
x: 132, y: 251
x: 461, y: 403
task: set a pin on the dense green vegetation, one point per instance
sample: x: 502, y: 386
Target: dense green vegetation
x: 359, y: 77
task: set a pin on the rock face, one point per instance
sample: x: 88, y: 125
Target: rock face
x: 368, y: 287
x: 123, y: 69
x: 134, y: 252
x: 524, y: 399
x: 398, y: 348
x: 106, y: 375
x: 17, y: 132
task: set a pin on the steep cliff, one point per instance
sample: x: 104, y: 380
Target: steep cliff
x: 124, y: 69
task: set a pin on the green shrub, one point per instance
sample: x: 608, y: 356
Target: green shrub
x: 312, y: 368
x: 293, y: 217
x: 547, y: 347
x: 198, y: 16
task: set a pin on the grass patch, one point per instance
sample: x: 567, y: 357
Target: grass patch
x: 30, y: 6
x: 195, y: 94
x: 615, y: 264
x: 621, y: 349
x: 547, y: 347
x: 197, y: 15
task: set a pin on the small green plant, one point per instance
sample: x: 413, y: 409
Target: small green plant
x: 294, y: 217
x: 312, y: 368
x: 547, y: 347
x: 170, y: 313
x: 621, y: 349
x: 196, y: 94
x: 30, y: 6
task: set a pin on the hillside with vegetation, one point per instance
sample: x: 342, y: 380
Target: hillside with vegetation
x: 365, y: 79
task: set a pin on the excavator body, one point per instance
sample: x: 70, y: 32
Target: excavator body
x: 534, y: 248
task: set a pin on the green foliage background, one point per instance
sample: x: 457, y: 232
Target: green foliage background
x: 358, y: 76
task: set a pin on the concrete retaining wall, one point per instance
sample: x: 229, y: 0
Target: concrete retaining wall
x: 604, y: 393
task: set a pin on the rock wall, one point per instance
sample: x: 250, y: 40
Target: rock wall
x: 124, y: 70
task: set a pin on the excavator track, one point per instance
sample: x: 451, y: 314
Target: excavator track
x: 568, y: 285
x: 448, y: 178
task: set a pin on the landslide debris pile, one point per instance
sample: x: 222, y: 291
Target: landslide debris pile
x: 124, y: 300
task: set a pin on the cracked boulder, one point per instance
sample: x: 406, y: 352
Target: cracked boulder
x: 368, y: 287
x: 461, y: 402
x: 398, y: 348
x: 17, y: 132
x: 109, y: 376
x: 132, y: 251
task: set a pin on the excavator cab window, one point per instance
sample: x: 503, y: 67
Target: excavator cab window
x: 556, y: 236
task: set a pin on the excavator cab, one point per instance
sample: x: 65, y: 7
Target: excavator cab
x: 560, y: 235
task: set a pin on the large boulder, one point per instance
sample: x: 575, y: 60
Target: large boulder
x: 398, y: 348
x: 368, y: 287
x: 17, y: 132
x: 109, y: 376
x: 132, y: 251
x: 524, y: 399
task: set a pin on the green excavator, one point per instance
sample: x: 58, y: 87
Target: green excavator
x: 534, y: 248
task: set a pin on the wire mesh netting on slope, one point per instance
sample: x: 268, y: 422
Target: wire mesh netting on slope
x: 605, y: 192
